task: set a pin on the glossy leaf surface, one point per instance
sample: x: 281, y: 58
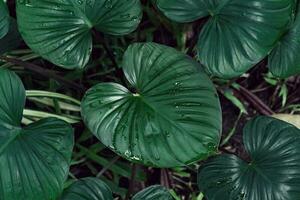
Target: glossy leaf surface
x: 172, y: 118
x: 284, y: 60
x: 61, y: 30
x: 273, y: 172
x: 4, y: 19
x: 34, y: 160
x: 237, y: 35
x: 87, y: 189
x: 155, y: 192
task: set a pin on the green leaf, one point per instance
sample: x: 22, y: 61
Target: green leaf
x: 12, y: 39
x: 4, y: 19
x: 284, y: 60
x: 61, y: 30
x: 237, y: 35
x: 155, y: 192
x: 34, y: 160
x: 171, y: 118
x: 273, y: 172
x: 88, y: 189
x: 184, y: 10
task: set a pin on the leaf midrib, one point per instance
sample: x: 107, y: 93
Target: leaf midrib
x: 16, y: 131
x: 165, y: 117
x: 81, y: 14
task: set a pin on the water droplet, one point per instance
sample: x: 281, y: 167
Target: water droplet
x: 127, y: 153
x: 108, y: 4
x: 125, y: 16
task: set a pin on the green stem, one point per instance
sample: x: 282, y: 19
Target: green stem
x: 40, y: 93
x: 231, y: 133
x: 40, y: 114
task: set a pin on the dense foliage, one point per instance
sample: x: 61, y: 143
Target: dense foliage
x: 146, y: 100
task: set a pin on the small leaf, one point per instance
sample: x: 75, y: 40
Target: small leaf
x: 284, y: 60
x: 155, y: 192
x: 87, y: 189
x: 237, y: 35
x: 4, y: 19
x: 172, y: 117
x: 34, y: 160
x: 60, y: 30
x: 273, y: 172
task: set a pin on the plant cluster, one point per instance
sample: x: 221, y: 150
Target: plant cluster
x: 153, y: 106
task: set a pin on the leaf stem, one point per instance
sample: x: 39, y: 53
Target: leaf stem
x: 44, y: 72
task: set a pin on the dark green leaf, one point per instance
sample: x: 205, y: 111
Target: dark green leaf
x: 34, y: 160
x: 12, y: 39
x: 184, y: 10
x: 60, y: 30
x: 238, y: 33
x: 172, y: 118
x: 155, y: 192
x: 273, y: 172
x: 284, y: 60
x: 4, y: 19
x: 88, y: 189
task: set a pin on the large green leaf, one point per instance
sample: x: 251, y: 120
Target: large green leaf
x: 155, y: 192
x: 60, y: 30
x: 34, y: 160
x: 273, y: 172
x: 238, y: 33
x: 4, y: 19
x: 87, y: 189
x: 171, y: 118
x: 284, y: 60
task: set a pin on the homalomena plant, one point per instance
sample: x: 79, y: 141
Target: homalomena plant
x: 34, y: 160
x: 95, y: 189
x: 237, y: 35
x: 168, y: 116
x: 273, y: 169
x: 284, y: 59
x: 65, y: 27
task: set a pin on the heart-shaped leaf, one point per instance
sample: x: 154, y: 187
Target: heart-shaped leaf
x: 238, y: 33
x: 273, y: 172
x: 4, y: 19
x: 34, y: 160
x: 284, y: 60
x: 60, y: 30
x: 155, y: 192
x: 88, y: 189
x: 171, y: 118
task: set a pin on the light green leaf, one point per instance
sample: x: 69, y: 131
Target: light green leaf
x: 60, y: 30
x: 155, y: 192
x: 273, y: 172
x: 171, y: 118
x: 4, y: 19
x: 87, y: 189
x: 289, y: 118
x: 284, y: 60
x: 238, y: 33
x: 34, y: 160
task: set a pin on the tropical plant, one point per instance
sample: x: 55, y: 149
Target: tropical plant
x: 110, y: 113
x: 239, y: 34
